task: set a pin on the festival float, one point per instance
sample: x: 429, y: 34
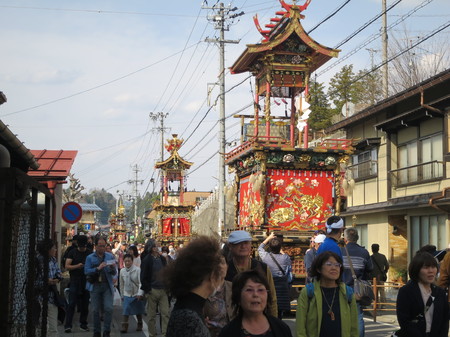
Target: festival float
x: 281, y: 183
x: 173, y: 215
x: 117, y: 222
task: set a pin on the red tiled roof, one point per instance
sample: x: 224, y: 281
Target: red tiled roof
x: 53, y: 163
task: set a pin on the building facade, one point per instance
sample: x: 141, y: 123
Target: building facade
x: 399, y: 172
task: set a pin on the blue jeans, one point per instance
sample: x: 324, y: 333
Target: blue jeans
x: 361, y: 320
x: 102, y: 298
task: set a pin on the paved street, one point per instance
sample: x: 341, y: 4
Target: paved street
x: 384, y: 326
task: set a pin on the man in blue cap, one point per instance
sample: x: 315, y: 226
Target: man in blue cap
x: 240, y: 247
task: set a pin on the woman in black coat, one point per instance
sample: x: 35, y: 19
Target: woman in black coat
x: 422, y: 308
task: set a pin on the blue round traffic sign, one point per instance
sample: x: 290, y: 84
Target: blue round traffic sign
x: 71, y: 212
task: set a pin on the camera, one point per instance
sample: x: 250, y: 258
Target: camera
x: 93, y: 277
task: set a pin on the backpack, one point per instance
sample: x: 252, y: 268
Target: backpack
x: 310, y: 292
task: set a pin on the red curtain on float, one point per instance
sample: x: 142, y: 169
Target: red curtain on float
x: 184, y: 226
x: 299, y: 199
x: 167, y: 226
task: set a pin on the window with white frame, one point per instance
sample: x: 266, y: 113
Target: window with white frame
x: 364, y: 164
x: 420, y: 159
x: 362, y: 233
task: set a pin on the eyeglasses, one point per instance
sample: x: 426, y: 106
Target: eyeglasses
x: 331, y: 264
x: 101, y: 246
x: 259, y: 291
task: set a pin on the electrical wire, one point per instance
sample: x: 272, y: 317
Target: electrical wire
x: 217, y: 122
x: 100, y: 85
x: 175, y: 69
x: 328, y: 17
x: 434, y: 32
x: 367, y: 24
x: 94, y: 11
x: 215, y: 102
x: 374, y: 37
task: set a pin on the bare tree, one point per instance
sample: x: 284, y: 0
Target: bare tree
x: 73, y: 193
x: 419, y: 63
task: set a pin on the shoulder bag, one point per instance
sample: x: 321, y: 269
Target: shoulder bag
x: 363, y: 290
x: 289, y: 278
x: 383, y: 273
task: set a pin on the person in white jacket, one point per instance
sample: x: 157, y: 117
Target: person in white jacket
x: 132, y: 295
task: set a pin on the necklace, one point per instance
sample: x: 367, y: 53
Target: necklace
x: 330, y: 307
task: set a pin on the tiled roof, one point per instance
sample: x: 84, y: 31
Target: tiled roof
x: 90, y: 207
x: 53, y: 163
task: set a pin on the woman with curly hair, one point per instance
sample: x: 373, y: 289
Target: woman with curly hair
x: 198, y: 272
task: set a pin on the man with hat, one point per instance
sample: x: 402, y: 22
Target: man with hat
x: 311, y: 255
x: 77, y: 291
x: 240, y: 248
x: 335, y: 227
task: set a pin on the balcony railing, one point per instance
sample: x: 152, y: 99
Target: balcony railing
x: 364, y: 170
x: 416, y: 174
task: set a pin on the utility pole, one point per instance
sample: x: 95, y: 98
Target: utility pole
x: 135, y: 192
x: 221, y: 14
x: 161, y: 116
x: 385, y: 50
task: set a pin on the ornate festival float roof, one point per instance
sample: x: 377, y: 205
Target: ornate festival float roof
x: 173, y: 217
x: 281, y: 183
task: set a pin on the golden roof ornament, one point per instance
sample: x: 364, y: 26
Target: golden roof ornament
x: 174, y: 144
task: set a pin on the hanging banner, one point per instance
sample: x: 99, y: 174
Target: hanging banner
x: 299, y: 199
x: 167, y: 226
x: 251, y: 208
x: 184, y: 226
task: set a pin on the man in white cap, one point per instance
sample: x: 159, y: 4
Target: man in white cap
x: 335, y: 227
x: 311, y: 255
x: 240, y: 247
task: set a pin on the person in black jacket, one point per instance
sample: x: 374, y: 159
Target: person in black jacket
x: 197, y: 273
x: 422, y: 308
x: 154, y: 288
x: 250, y: 298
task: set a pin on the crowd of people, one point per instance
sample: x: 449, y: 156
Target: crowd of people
x: 224, y: 290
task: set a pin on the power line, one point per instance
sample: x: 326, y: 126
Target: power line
x: 367, y: 24
x: 207, y: 160
x: 207, y: 112
x: 437, y: 30
x: 174, y: 70
x: 329, y: 16
x: 100, y: 85
x: 94, y: 11
x: 373, y: 38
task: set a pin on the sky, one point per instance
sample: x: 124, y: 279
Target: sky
x: 85, y: 75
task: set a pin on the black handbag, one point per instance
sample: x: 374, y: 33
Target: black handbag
x: 60, y: 303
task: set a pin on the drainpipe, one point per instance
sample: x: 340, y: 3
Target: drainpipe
x: 432, y: 200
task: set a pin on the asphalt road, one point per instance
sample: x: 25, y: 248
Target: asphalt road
x: 373, y: 329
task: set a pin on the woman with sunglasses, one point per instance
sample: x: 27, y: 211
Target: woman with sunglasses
x: 327, y: 307
x: 250, y: 299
